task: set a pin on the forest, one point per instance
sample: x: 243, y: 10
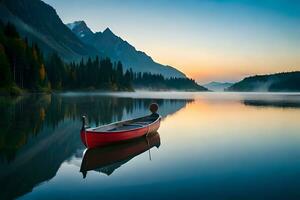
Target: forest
x: 21, y: 64
x: 158, y: 82
x: 23, y: 67
x: 279, y: 82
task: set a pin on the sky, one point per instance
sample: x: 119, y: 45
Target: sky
x: 209, y: 40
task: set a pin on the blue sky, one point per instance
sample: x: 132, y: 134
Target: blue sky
x: 222, y: 40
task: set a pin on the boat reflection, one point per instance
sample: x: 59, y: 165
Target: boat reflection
x: 107, y: 159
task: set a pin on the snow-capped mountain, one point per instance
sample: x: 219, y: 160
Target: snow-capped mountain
x: 80, y: 29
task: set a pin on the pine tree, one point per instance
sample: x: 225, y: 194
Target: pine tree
x: 119, y: 72
x: 5, y: 73
x: 11, y: 31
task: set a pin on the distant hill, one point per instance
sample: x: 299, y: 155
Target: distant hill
x: 280, y: 82
x: 119, y: 50
x: 40, y: 23
x: 217, y: 86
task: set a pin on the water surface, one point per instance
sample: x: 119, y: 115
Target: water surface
x: 209, y: 146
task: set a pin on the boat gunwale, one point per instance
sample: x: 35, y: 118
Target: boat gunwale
x: 91, y: 131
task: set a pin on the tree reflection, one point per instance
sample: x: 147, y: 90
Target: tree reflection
x: 39, y: 132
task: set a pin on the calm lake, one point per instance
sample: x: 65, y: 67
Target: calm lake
x: 209, y: 146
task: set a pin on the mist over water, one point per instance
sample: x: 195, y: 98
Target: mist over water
x: 209, y: 145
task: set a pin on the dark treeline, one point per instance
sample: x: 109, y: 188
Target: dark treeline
x: 158, y: 82
x: 91, y: 74
x: 279, y: 82
x: 21, y: 64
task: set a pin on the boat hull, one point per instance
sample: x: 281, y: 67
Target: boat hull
x: 96, y: 158
x: 93, y: 139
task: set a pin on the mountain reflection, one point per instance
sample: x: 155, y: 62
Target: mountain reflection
x: 272, y: 103
x: 107, y: 159
x: 39, y: 132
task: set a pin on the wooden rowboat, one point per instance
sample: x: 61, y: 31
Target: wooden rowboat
x: 120, y: 131
x: 108, y: 158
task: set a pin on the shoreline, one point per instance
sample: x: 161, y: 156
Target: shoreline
x: 58, y: 92
x: 22, y: 92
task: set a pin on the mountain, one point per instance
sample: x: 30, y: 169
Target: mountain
x: 217, y: 86
x: 119, y: 50
x: 280, y: 82
x: 81, y: 30
x: 40, y: 23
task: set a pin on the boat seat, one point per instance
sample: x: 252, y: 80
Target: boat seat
x: 143, y: 122
x: 126, y: 127
x: 135, y: 124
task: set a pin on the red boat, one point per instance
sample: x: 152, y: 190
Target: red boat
x: 120, y: 131
x: 107, y: 159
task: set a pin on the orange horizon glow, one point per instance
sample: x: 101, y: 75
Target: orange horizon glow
x: 205, y: 67
x: 206, y: 75
x: 219, y: 64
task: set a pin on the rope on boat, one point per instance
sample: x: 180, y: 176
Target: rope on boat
x: 148, y: 147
